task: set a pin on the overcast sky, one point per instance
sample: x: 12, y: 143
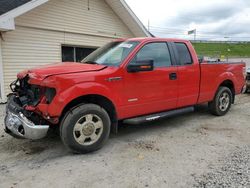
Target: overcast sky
x: 213, y: 19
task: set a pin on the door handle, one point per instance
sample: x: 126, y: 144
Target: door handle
x: 173, y: 76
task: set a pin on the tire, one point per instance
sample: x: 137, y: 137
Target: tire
x: 222, y: 102
x: 85, y: 128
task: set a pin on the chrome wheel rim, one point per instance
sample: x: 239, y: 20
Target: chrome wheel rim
x: 224, y: 101
x: 88, y: 129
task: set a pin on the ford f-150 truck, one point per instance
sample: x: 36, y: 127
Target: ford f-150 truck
x: 130, y: 80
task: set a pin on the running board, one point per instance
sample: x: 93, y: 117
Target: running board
x: 162, y: 115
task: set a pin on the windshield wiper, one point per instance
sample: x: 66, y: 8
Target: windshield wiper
x: 91, y: 62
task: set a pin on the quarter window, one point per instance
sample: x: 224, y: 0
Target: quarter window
x: 184, y: 54
x: 158, y: 52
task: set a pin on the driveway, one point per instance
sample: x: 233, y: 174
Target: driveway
x: 192, y: 150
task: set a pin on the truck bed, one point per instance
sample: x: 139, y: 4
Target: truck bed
x: 213, y: 74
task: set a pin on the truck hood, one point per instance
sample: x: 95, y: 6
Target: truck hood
x: 43, y: 72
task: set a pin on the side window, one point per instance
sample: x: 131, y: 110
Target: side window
x: 184, y: 54
x: 158, y: 52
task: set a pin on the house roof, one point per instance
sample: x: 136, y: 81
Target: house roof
x: 122, y: 9
x: 7, y: 21
x: 7, y: 5
x: 10, y: 9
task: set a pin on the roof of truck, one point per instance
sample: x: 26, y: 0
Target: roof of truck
x: 153, y: 39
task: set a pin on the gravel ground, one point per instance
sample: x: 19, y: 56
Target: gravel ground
x: 232, y: 171
x: 192, y: 150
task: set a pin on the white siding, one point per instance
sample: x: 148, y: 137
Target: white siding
x: 74, y: 16
x: 40, y: 33
x: 2, y: 98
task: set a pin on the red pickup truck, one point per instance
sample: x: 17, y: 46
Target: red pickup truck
x: 131, y: 80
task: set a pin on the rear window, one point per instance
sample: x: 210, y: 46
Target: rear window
x: 184, y: 54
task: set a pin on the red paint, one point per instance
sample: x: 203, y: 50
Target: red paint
x: 30, y: 108
x: 136, y: 93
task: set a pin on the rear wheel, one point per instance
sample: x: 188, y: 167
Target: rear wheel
x: 85, y: 128
x: 222, y: 102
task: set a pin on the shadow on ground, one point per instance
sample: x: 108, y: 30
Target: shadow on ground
x: 51, y: 147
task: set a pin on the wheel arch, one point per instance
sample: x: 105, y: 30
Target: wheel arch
x: 100, y: 100
x: 229, y: 84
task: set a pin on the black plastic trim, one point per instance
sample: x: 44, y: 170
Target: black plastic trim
x: 157, y: 116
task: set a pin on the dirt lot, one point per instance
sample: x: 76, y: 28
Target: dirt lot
x: 193, y: 150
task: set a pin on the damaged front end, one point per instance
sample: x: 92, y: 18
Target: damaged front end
x: 22, y: 118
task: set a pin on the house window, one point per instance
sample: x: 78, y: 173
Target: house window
x: 75, y: 54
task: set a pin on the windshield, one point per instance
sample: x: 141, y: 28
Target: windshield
x: 112, y: 54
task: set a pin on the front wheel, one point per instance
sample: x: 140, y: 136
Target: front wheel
x: 85, y: 128
x: 222, y: 102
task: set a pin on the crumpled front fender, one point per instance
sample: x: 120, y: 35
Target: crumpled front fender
x: 62, y: 99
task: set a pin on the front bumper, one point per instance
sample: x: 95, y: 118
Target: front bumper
x: 19, y: 126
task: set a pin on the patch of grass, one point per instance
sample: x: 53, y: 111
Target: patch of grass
x: 218, y: 49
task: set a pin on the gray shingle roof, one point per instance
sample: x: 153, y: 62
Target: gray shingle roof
x: 8, y: 5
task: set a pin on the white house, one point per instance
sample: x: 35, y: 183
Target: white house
x: 38, y: 32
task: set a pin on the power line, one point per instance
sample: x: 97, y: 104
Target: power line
x: 183, y: 32
x: 175, y: 29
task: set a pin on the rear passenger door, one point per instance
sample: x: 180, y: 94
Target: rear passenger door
x: 152, y: 91
x: 188, y: 73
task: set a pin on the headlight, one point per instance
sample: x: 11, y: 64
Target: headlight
x: 50, y: 93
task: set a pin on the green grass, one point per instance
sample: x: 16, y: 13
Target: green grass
x: 218, y: 49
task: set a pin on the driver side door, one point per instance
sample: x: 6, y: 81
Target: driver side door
x: 151, y: 91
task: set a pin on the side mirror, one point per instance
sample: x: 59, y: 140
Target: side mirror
x: 139, y: 66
